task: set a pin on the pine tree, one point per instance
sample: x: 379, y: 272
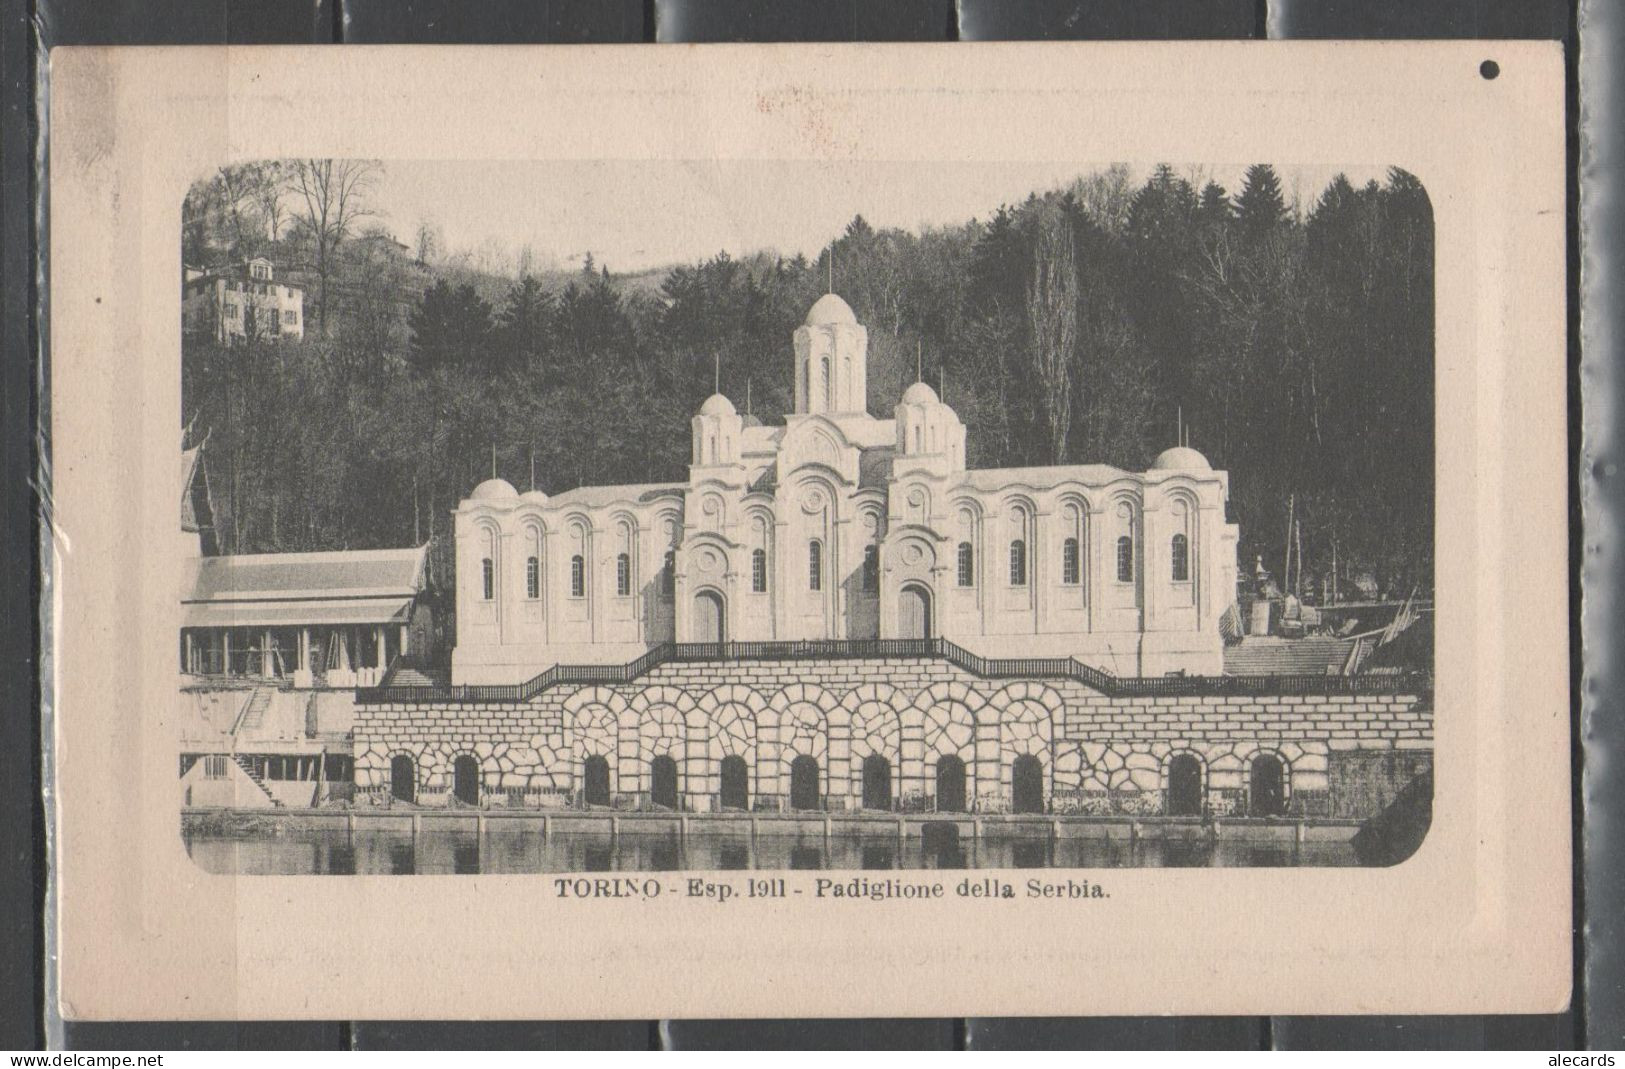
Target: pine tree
x: 1260, y: 206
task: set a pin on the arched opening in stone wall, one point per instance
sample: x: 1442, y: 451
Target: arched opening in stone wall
x: 735, y: 783
x: 1185, y: 786
x: 403, y: 780
x: 663, y: 781
x: 1027, y: 784
x: 595, y: 780
x: 804, y: 783
x: 876, y: 782
x: 914, y: 612
x: 1266, y: 787
x: 465, y: 779
x: 950, y: 784
x: 710, y: 618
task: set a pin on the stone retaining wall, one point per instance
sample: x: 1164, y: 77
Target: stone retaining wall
x: 1098, y: 754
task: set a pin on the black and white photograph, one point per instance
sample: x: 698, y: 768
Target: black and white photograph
x: 630, y: 515
x: 784, y: 531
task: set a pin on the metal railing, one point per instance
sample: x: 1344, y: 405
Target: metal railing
x: 898, y: 648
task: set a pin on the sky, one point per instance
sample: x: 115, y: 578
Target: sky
x: 633, y: 215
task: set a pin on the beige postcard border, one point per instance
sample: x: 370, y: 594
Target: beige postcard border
x: 1477, y: 921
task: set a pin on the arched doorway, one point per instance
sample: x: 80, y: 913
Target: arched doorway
x: 1027, y: 785
x: 403, y: 780
x: 735, y: 783
x: 465, y: 779
x: 914, y: 612
x: 804, y: 783
x: 876, y: 782
x: 663, y: 781
x: 1185, y: 786
x: 1266, y: 787
x: 710, y: 618
x: 595, y: 780
x: 950, y: 784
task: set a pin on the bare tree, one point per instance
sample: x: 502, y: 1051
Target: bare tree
x: 330, y: 197
x: 428, y: 240
x: 268, y: 184
x: 1052, y: 316
x: 1105, y: 197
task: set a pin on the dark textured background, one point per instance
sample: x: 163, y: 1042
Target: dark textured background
x: 32, y: 26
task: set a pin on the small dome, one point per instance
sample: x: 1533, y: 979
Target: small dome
x: 717, y: 405
x: 1180, y: 458
x: 534, y: 497
x: 828, y: 310
x: 494, y: 490
x: 919, y: 394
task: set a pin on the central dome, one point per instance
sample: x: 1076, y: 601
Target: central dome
x: 829, y: 310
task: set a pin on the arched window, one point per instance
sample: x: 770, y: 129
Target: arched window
x: 578, y: 577
x: 829, y: 385
x: 871, y: 569
x: 668, y: 575
x: 967, y: 562
x: 815, y: 565
x: 488, y: 573
x: 533, y: 578
x: 1181, y: 563
x: 1125, y: 559
x: 1069, y: 562
x: 758, y: 571
x: 1018, y: 563
x: 623, y: 575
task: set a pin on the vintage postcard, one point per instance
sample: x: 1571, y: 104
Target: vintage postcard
x: 808, y: 530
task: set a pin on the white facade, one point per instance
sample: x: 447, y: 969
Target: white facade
x: 248, y: 301
x: 837, y: 525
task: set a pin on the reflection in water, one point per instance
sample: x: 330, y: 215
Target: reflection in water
x: 519, y: 847
x: 402, y: 859
x: 1029, y: 854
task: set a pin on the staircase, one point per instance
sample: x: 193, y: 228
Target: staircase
x: 1290, y: 657
x: 254, y: 714
x: 407, y: 676
x: 259, y: 781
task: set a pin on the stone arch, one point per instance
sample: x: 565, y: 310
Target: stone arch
x: 1180, y: 798
x: 592, y: 718
x: 649, y: 697
x: 1285, y: 768
x: 1019, y: 722
x: 1026, y: 714
x: 404, y: 778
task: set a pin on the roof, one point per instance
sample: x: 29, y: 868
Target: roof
x: 302, y: 612
x: 635, y: 493
x: 494, y: 490
x: 828, y: 310
x: 717, y: 405
x: 920, y: 394
x: 310, y: 577
x: 994, y: 479
x: 1180, y: 458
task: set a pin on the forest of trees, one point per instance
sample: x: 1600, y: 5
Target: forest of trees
x: 1293, y: 342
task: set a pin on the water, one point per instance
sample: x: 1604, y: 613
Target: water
x: 520, y: 849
